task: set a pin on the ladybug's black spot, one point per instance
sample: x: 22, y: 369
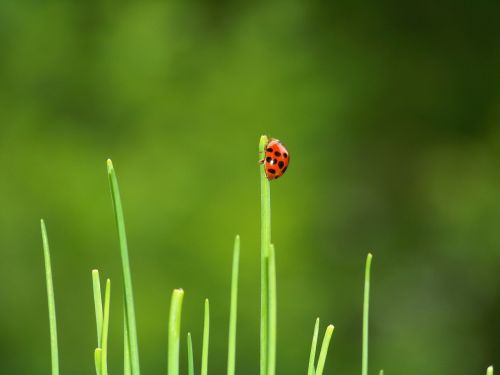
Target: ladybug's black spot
x: 281, y: 164
x: 284, y: 170
x: 285, y: 155
x: 272, y: 171
x: 268, y: 159
x: 274, y: 161
x: 269, y: 149
x: 277, y: 153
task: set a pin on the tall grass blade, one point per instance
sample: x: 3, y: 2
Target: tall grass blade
x: 206, y: 335
x: 54, y: 351
x: 105, y: 329
x: 174, y: 331
x: 271, y: 360
x: 127, y: 277
x: 381, y: 372
x: 265, y: 202
x: 489, y: 370
x: 126, y: 345
x: 190, y: 355
x: 324, y: 350
x: 98, y: 360
x: 366, y: 302
x: 231, y: 351
x: 314, y: 344
x: 96, y: 286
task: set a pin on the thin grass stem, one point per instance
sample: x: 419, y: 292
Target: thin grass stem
x: 231, y: 351
x: 174, y: 331
x: 96, y: 285
x: 98, y: 360
x: 126, y: 346
x: 54, y: 350
x: 190, y: 355
x: 489, y: 370
x: 314, y: 344
x: 272, y: 327
x: 206, y: 335
x: 127, y: 277
x: 381, y: 372
x: 324, y: 350
x: 366, y: 303
x: 265, y: 199
x: 105, y: 329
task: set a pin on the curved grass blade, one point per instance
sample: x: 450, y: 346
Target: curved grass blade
x: 127, y: 277
x: 314, y: 344
x: 190, y: 355
x: 324, y: 350
x: 126, y: 345
x: 489, y: 370
x: 206, y: 334
x: 54, y: 350
x: 174, y: 331
x: 366, y: 303
x: 265, y: 204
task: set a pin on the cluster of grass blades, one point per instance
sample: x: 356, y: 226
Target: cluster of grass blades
x: 268, y: 311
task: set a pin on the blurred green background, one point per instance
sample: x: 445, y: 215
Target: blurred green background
x: 390, y: 110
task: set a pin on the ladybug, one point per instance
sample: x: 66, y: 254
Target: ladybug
x: 275, y: 160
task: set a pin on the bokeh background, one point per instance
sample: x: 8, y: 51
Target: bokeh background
x: 390, y: 110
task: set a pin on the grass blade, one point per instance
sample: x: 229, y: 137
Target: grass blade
x: 381, y: 372
x: 96, y: 284
x: 271, y: 360
x: 366, y: 302
x: 190, y: 355
x: 127, y: 277
x: 489, y: 370
x: 324, y: 350
x: 54, y: 351
x: 314, y: 344
x: 98, y: 360
x: 174, y: 331
x: 265, y: 202
x: 105, y: 329
x: 206, y: 333
x: 126, y: 346
x: 231, y: 352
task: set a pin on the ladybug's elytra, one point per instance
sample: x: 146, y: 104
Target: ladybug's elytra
x: 276, y: 159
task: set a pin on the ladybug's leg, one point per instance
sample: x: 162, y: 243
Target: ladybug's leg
x: 261, y: 161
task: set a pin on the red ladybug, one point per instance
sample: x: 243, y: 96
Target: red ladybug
x: 276, y: 159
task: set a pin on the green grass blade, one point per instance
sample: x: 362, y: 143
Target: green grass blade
x: 54, y: 351
x: 206, y: 335
x: 126, y: 346
x: 98, y: 360
x: 271, y: 360
x: 366, y: 303
x: 127, y: 277
x: 265, y: 202
x: 324, y: 350
x: 381, y: 372
x: 314, y: 344
x: 231, y: 352
x: 96, y: 284
x: 174, y: 331
x: 105, y: 329
x: 489, y: 370
x: 190, y: 355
